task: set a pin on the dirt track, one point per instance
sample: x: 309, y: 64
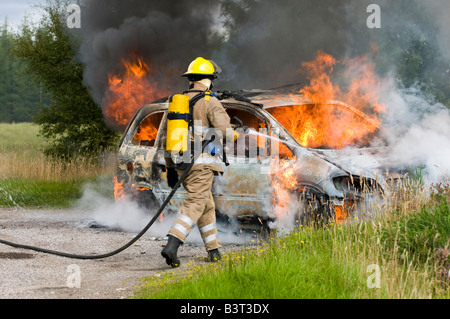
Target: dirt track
x: 26, y: 274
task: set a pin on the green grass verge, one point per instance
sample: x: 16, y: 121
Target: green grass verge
x: 23, y: 193
x: 329, y: 263
x: 301, y: 266
x: 420, y: 233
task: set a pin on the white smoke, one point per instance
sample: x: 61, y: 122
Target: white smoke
x: 124, y: 215
x: 128, y: 216
x: 417, y: 131
x: 286, y: 214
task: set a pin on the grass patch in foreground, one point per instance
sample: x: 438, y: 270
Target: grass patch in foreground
x: 283, y: 277
x: 39, y: 193
x: 298, y: 266
x: 334, y: 262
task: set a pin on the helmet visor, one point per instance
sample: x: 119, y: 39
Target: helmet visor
x: 217, y: 69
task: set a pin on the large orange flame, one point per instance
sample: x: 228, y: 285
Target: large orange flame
x: 129, y: 89
x: 332, y: 117
x: 328, y: 120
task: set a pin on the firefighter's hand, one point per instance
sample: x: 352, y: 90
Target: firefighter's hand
x: 172, y: 177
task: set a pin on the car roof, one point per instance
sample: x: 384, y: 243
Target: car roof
x: 258, y: 98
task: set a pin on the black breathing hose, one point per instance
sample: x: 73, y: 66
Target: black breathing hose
x: 131, y: 242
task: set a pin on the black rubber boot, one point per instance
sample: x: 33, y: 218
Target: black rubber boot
x: 214, y: 255
x: 170, y: 251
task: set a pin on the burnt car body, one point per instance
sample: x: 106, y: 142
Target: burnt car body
x: 328, y: 181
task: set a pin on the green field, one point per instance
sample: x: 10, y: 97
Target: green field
x: 30, y: 179
x: 20, y: 137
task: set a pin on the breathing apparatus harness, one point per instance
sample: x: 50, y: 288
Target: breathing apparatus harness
x: 186, y: 166
x: 180, y: 121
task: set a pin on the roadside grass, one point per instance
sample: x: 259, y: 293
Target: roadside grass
x: 29, y: 193
x: 402, y: 252
x: 30, y: 179
x: 420, y: 233
x: 279, y: 269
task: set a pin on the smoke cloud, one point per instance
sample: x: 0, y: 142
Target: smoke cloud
x: 128, y: 216
x: 165, y: 34
x: 258, y: 44
x: 417, y: 132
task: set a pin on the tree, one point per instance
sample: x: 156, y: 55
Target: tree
x: 72, y: 121
x: 20, y: 95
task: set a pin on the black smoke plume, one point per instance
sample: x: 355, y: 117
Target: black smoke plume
x: 258, y: 44
x: 262, y: 44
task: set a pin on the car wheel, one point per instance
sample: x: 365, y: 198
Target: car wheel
x: 147, y: 201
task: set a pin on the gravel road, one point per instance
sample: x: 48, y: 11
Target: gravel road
x: 26, y: 274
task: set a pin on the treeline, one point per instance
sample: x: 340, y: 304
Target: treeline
x: 20, y: 95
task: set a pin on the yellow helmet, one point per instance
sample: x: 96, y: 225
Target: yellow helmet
x: 201, y: 66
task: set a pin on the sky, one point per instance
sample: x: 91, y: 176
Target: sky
x: 15, y: 11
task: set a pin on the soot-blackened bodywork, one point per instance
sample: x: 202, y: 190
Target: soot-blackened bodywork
x: 329, y: 183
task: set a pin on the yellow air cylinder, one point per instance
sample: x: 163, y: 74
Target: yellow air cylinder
x: 178, y: 124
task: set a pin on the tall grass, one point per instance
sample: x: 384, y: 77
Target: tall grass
x: 334, y: 261
x: 22, y: 156
x: 28, y: 178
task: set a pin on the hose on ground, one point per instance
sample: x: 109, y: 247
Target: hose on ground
x: 131, y: 242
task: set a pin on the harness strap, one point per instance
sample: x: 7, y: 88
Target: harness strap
x: 190, y: 118
x: 178, y: 116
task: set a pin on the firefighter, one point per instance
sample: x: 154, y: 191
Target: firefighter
x: 198, y: 208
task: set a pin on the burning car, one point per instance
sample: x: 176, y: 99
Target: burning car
x: 305, y: 166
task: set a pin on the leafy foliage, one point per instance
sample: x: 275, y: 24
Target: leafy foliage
x: 72, y: 120
x: 20, y: 96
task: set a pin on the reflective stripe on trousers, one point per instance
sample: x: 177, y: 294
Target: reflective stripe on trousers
x: 198, y: 208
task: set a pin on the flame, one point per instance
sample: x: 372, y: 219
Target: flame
x: 129, y: 89
x: 332, y: 118
x: 119, y: 194
x: 284, y: 173
x: 147, y: 131
x: 342, y: 212
x: 283, y: 180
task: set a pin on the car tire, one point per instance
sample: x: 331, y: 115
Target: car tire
x: 147, y: 201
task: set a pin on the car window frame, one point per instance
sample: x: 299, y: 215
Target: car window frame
x: 255, y: 112
x: 144, y: 112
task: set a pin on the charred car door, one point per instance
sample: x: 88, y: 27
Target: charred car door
x: 242, y: 191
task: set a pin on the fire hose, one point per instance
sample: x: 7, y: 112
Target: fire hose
x: 131, y: 242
